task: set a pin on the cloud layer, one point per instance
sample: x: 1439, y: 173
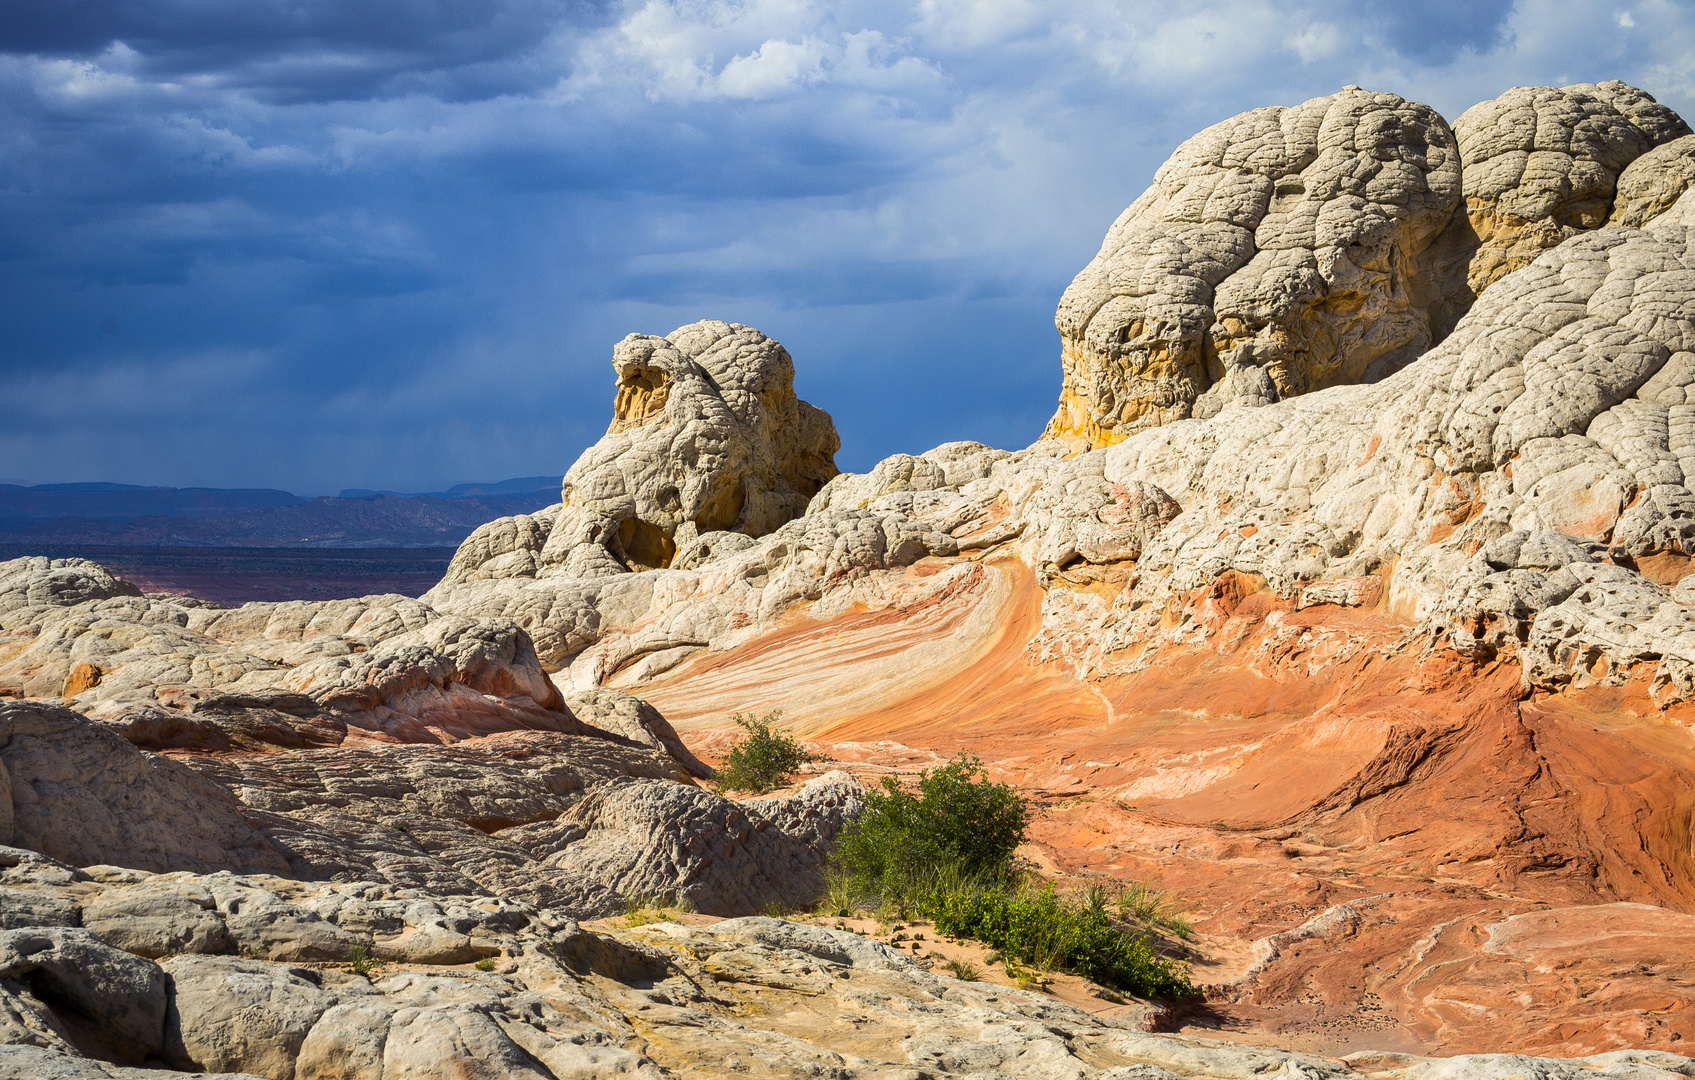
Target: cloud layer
x: 389, y: 243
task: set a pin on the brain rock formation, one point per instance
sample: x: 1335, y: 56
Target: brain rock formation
x: 1278, y: 252
x: 1290, y: 249
x: 1543, y: 164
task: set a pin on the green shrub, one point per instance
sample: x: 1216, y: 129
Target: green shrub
x: 957, y: 821
x: 765, y: 759
x: 1033, y: 925
x: 944, y: 850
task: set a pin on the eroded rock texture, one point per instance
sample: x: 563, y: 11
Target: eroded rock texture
x: 707, y: 438
x: 1279, y: 252
x: 472, y: 987
x: 1388, y: 623
x: 1366, y: 625
x: 1290, y: 249
x: 1544, y: 164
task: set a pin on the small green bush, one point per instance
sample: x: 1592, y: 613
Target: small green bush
x: 765, y: 759
x: 957, y: 819
x: 1034, y: 925
x: 838, y: 898
x: 944, y: 850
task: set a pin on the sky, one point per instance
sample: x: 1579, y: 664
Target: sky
x: 316, y: 244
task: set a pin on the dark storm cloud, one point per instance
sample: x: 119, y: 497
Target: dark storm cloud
x: 389, y: 243
x: 309, y: 50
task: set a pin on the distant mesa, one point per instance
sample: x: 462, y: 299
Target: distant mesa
x: 522, y: 485
x: 66, y: 515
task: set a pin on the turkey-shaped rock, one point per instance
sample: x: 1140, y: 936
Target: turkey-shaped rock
x: 707, y: 436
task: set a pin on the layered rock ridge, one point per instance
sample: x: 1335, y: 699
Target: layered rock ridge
x: 372, y: 739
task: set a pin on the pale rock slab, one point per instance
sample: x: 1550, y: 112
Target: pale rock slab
x: 633, y: 839
x: 82, y: 794
x: 173, y: 675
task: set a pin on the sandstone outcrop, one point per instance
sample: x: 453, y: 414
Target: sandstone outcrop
x: 1279, y: 252
x: 76, y: 791
x: 707, y: 437
x: 429, y: 816
x: 532, y: 994
x: 1365, y: 624
x: 633, y: 838
x: 1543, y: 164
x: 1287, y: 250
x: 188, y: 675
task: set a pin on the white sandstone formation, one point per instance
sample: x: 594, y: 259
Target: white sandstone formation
x: 1544, y: 164
x: 1278, y: 252
x: 707, y: 438
x: 1553, y: 409
x: 108, y: 974
x: 1266, y: 387
x: 579, y: 823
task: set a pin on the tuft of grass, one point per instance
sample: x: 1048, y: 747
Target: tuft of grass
x: 359, y: 958
x: 1145, y: 906
x: 964, y: 970
x: 766, y: 758
x: 641, y: 909
x: 838, y: 900
x: 485, y: 964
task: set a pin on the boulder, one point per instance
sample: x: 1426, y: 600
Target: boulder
x: 1543, y: 164
x: 627, y: 717
x: 642, y: 839
x: 230, y: 1015
x: 106, y: 1003
x: 1654, y: 183
x: 81, y: 794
